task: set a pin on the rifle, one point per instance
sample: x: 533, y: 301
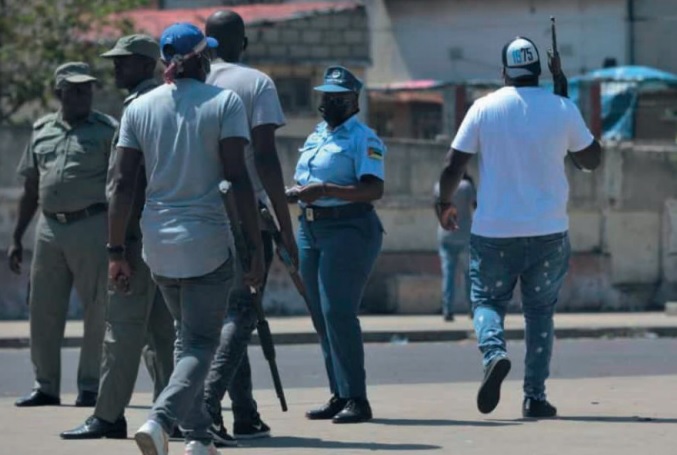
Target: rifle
x: 270, y: 225
x: 262, y: 327
x: 559, y: 80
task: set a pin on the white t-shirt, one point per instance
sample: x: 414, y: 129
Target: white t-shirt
x: 259, y: 95
x: 178, y: 127
x: 522, y: 136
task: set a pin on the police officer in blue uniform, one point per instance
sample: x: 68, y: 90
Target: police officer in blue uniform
x: 339, y: 174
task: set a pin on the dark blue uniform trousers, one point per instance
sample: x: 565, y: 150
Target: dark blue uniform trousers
x: 336, y: 257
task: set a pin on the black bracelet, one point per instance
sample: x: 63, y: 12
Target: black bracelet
x: 115, y: 249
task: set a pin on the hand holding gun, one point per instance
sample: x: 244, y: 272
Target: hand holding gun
x: 270, y: 225
x: 244, y: 256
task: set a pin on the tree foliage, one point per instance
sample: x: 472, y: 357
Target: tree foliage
x: 36, y: 36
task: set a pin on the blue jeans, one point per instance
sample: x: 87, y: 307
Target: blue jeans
x: 452, y: 255
x: 230, y: 370
x: 336, y: 258
x: 540, y: 263
x: 198, y: 306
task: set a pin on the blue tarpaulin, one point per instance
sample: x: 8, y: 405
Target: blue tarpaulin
x: 620, y: 88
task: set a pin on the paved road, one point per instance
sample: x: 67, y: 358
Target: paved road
x: 419, y: 363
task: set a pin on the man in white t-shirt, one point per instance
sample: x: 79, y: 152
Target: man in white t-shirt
x: 230, y: 370
x: 521, y: 134
x: 190, y: 136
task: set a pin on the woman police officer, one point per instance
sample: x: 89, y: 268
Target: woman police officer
x: 339, y: 174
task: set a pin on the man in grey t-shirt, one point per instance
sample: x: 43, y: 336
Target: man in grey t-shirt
x: 230, y: 368
x: 190, y: 136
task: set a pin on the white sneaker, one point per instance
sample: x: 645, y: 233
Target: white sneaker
x: 152, y: 439
x: 198, y: 448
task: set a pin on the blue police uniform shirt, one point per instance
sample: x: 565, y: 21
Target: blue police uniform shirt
x: 340, y: 156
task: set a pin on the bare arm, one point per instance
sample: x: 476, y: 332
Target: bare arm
x: 28, y: 205
x: 269, y: 170
x: 231, y: 151
x: 456, y: 163
x: 590, y: 157
x: 452, y: 174
x: 127, y: 166
x: 368, y: 189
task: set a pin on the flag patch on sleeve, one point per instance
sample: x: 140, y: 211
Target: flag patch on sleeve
x: 374, y: 153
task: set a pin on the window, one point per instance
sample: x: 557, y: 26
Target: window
x: 295, y: 94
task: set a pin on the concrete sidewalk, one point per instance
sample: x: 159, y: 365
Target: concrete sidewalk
x: 607, y: 416
x: 411, y: 328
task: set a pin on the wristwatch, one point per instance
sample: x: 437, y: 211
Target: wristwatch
x: 115, y: 250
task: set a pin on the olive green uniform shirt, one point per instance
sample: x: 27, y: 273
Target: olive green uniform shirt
x: 71, y: 162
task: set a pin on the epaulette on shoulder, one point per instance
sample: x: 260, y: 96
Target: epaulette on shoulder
x: 42, y: 121
x: 105, y: 119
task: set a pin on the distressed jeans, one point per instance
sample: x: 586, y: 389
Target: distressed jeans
x: 540, y: 263
x: 198, y: 306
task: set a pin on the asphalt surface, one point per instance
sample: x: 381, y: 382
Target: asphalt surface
x: 404, y: 363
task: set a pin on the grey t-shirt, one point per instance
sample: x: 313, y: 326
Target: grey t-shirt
x: 178, y: 127
x: 464, y: 200
x: 259, y: 95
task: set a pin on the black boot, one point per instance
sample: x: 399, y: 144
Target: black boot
x: 95, y: 428
x: 357, y: 410
x: 328, y: 410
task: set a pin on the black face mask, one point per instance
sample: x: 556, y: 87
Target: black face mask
x: 336, y: 111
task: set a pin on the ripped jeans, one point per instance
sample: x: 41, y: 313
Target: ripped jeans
x: 540, y: 263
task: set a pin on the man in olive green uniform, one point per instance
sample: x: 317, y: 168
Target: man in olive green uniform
x: 140, y: 317
x: 65, y: 167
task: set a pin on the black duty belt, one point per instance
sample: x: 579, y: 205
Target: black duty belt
x: 69, y: 217
x: 311, y: 213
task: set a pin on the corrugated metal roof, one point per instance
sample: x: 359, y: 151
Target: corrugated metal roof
x: 153, y: 21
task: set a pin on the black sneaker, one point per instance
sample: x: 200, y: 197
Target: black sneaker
x: 537, y: 409
x: 490, y: 391
x: 251, y: 430
x: 220, y: 435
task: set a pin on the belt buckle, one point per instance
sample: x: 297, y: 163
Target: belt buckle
x: 310, y: 216
x: 61, y: 218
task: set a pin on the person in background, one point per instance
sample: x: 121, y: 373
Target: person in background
x: 340, y: 173
x: 64, y: 167
x: 453, y: 246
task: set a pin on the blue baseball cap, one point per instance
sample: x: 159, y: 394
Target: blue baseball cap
x: 185, y: 39
x: 338, y: 79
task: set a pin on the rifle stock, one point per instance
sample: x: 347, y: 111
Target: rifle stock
x: 262, y: 327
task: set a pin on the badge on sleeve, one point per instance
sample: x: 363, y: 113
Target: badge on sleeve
x: 374, y: 153
x: 374, y: 149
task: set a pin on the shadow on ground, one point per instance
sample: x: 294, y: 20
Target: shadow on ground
x: 316, y: 443
x: 442, y: 423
